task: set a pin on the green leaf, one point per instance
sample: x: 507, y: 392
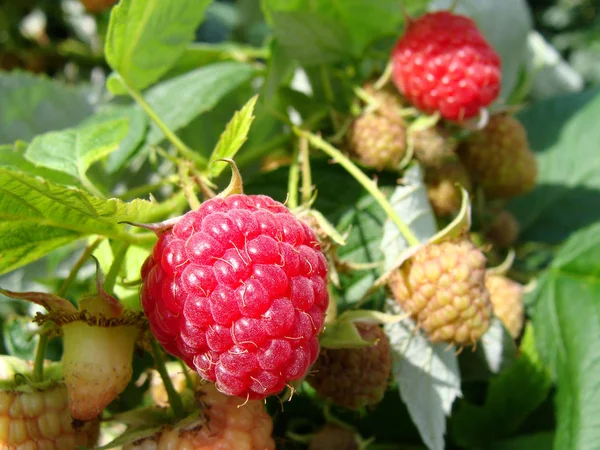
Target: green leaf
x: 137, y: 125
x: 511, y: 397
x: 19, y: 337
x: 146, y: 38
x: 232, y: 139
x: 34, y: 104
x: 134, y: 258
x: 13, y: 156
x: 311, y: 38
x: 37, y: 216
x: 201, y: 54
x: 548, y: 74
x: 178, y: 100
x: 132, y: 435
x: 74, y: 150
x: 364, y: 221
x: 329, y: 31
x: 22, y: 243
x: 538, y: 441
x: 203, y: 133
x: 332, y: 202
x: 280, y: 69
x: 343, y: 333
x: 564, y: 134
x: 567, y: 326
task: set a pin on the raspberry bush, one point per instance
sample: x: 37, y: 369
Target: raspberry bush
x: 298, y: 225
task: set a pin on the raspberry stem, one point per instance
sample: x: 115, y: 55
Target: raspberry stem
x: 367, y: 183
x: 78, y: 265
x: 188, y: 187
x: 306, y: 174
x: 330, y: 418
x: 91, y: 187
x: 40, y: 354
x: 183, y: 149
x: 329, y: 95
x: 174, y: 398
x: 115, y: 267
x: 293, y: 178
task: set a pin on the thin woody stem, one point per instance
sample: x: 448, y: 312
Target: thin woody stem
x: 367, y: 183
x: 173, y: 396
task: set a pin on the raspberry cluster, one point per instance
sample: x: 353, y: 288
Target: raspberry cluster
x: 237, y: 289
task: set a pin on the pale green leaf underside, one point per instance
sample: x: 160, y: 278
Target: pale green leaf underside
x: 428, y: 377
x: 411, y: 204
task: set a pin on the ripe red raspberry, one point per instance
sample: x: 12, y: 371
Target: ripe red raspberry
x: 237, y: 289
x: 444, y: 64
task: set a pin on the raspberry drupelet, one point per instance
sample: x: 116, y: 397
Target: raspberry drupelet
x: 237, y: 289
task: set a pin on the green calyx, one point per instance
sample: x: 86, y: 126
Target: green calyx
x: 17, y: 375
x: 343, y: 332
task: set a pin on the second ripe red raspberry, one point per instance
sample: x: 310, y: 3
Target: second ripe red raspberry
x: 237, y: 289
x: 444, y: 64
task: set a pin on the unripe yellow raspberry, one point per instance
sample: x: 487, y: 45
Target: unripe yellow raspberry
x: 442, y: 286
x: 433, y: 146
x: 36, y: 415
x: 228, y: 426
x: 442, y: 187
x: 503, y: 230
x: 377, y: 138
x: 507, y: 297
x: 499, y: 159
x: 97, y: 355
